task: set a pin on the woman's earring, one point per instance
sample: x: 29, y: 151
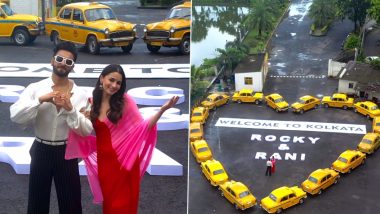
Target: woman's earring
x: 101, y: 86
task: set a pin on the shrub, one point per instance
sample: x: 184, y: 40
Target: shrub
x: 352, y: 42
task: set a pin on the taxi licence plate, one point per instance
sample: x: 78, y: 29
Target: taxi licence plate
x: 156, y: 43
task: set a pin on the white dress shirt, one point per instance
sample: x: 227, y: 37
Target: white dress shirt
x: 50, y: 124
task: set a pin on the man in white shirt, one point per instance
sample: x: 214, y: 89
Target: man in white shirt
x: 52, y: 105
x: 269, y: 167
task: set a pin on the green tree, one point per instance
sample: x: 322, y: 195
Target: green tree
x: 355, y: 10
x: 322, y: 12
x: 261, y: 15
x: 198, y: 85
x: 230, y: 57
x: 375, y: 10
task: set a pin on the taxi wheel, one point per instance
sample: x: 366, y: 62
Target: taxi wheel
x: 184, y: 47
x: 355, y: 110
x: 302, y: 111
x: 316, y: 106
x: 277, y: 110
x: 301, y: 201
x: 93, y: 45
x: 319, y: 192
x: 55, y: 38
x: 368, y: 117
x: 349, y: 171
x: 127, y: 49
x: 336, y: 181
x: 326, y: 105
x: 152, y: 48
x: 239, y: 101
x: 21, y: 37
x: 236, y: 207
x: 345, y: 107
x: 257, y: 102
x: 363, y: 162
x: 279, y: 211
x: 222, y: 194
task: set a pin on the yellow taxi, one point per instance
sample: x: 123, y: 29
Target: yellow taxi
x: 367, y: 108
x: 320, y: 180
x: 369, y: 143
x: 283, y: 198
x: 277, y: 102
x: 20, y: 28
x: 305, y: 103
x: 91, y: 24
x: 238, y: 194
x: 348, y: 160
x: 200, y: 115
x: 196, y: 131
x: 174, y: 31
x: 201, y: 150
x: 214, y: 172
x: 376, y: 124
x: 247, y: 96
x: 338, y: 100
x: 215, y: 100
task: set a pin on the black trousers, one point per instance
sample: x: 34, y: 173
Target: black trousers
x: 269, y: 171
x: 48, y: 163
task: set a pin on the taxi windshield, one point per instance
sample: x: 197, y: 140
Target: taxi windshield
x: 367, y: 141
x: 203, y: 149
x: 271, y: 196
x: 7, y: 10
x: 219, y: 171
x: 99, y: 14
x: 279, y: 100
x: 243, y: 194
x: 195, y: 130
x: 301, y: 101
x: 312, y: 179
x: 344, y: 160
x: 179, y: 13
x: 374, y: 108
x: 195, y: 114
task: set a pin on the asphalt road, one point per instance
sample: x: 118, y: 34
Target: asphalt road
x: 298, y: 66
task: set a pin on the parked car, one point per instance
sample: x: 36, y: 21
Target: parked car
x: 369, y: 143
x: 215, y: 100
x: 22, y: 29
x: 338, y: 100
x: 196, y: 131
x: 305, y: 103
x: 200, y: 150
x: 348, y: 160
x: 93, y: 25
x: 238, y: 194
x: 367, y: 108
x: 174, y: 31
x: 200, y: 114
x: 376, y: 124
x: 320, y: 180
x: 277, y: 102
x: 283, y: 198
x: 214, y: 172
x: 247, y: 96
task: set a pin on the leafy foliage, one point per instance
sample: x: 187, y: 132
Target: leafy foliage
x: 375, y: 10
x: 352, y: 42
x: 322, y: 12
x: 355, y: 10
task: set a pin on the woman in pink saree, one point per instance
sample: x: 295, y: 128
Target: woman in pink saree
x: 117, y: 157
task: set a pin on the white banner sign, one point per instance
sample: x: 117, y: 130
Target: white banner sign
x: 292, y: 125
x: 93, y: 70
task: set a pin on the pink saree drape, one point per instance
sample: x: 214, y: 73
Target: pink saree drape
x: 131, y: 139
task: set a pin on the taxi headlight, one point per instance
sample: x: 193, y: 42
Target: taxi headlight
x: 172, y: 30
x: 106, y: 31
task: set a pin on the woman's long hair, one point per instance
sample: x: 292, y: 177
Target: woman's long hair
x: 117, y: 100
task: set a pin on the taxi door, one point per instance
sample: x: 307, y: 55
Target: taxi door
x: 5, y: 27
x: 363, y: 109
x: 377, y: 142
x: 78, y: 31
x: 64, y: 24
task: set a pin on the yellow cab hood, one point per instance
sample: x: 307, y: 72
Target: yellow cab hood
x: 205, y: 154
x: 376, y: 112
x: 220, y: 177
x: 247, y: 199
x: 297, y: 105
x: 309, y: 185
x: 24, y: 17
x: 326, y: 98
x: 268, y: 203
x: 365, y: 146
x: 112, y: 25
x: 196, y: 118
x: 339, y: 164
x: 282, y: 104
x: 207, y: 103
x: 168, y: 24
